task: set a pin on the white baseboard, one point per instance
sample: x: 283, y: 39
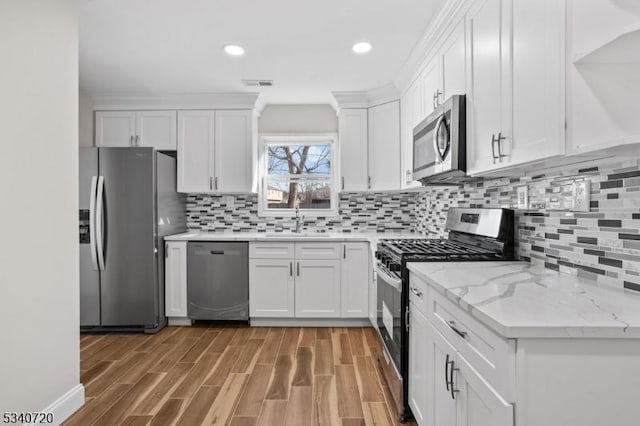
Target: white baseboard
x: 180, y: 322
x: 310, y: 322
x: 63, y: 407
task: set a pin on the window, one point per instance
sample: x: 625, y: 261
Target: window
x: 298, y: 172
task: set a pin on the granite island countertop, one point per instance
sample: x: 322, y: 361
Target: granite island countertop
x: 521, y: 300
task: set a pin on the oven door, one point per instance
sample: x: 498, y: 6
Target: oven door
x: 390, y: 313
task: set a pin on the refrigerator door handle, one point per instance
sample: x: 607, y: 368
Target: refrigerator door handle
x: 92, y: 222
x: 100, y: 223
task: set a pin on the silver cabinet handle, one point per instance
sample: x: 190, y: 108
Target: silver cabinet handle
x: 137, y: 140
x: 211, y: 183
x: 344, y: 251
x: 166, y: 250
x: 416, y: 292
x: 438, y: 94
x: 215, y: 180
x: 298, y: 268
x: 131, y: 140
x: 368, y: 182
x: 433, y: 100
x: 290, y: 269
x: 493, y: 147
x: 499, y: 140
x: 343, y: 183
x: 452, y: 326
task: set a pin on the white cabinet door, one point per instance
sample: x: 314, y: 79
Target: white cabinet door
x: 454, y: 64
x: 317, y: 293
x: 354, y: 273
x: 478, y: 404
x: 115, y: 128
x: 431, y: 86
x: 195, y: 151
x: 352, y: 134
x: 175, y: 279
x: 538, y: 55
x: 419, y: 362
x: 485, y: 85
x: 384, y: 146
x: 156, y: 129
x: 233, y: 151
x: 271, y: 288
x: 440, y: 356
x: 411, y: 114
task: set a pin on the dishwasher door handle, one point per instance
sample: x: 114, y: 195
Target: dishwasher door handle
x: 217, y: 252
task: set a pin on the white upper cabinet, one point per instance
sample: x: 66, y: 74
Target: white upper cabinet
x: 155, y: 129
x: 353, y: 141
x: 453, y: 62
x: 431, y: 80
x: 486, y: 112
x: 603, y: 74
x: 195, y: 151
x: 115, y: 128
x: 538, y: 96
x: 233, y: 151
x: 384, y: 147
x: 215, y: 151
x: 411, y: 106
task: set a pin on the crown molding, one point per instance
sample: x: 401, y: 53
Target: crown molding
x: 430, y: 41
x: 106, y: 102
x: 366, y: 99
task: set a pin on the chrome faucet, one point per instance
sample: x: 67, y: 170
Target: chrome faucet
x: 299, y: 220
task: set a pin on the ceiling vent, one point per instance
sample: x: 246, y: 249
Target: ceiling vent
x: 258, y: 83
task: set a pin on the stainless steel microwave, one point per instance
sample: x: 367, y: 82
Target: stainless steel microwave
x: 439, y: 143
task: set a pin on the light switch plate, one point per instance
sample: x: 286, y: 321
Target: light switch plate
x: 581, y: 194
x: 523, y: 197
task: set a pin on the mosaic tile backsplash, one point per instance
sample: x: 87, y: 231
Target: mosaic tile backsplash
x: 358, y: 212
x: 603, y: 243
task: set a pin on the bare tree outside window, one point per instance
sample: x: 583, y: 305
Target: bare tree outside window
x: 299, y: 175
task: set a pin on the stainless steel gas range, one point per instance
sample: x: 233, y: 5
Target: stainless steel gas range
x: 473, y: 235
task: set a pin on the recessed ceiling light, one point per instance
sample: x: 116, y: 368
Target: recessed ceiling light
x: 234, y: 50
x: 362, y: 47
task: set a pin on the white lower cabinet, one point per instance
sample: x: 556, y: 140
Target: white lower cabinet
x: 355, y: 279
x: 271, y: 288
x: 308, y: 280
x: 175, y: 268
x: 419, y: 364
x: 317, y: 293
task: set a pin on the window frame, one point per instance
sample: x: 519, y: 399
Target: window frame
x: 290, y: 139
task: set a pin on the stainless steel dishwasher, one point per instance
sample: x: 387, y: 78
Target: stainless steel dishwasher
x: 218, y: 281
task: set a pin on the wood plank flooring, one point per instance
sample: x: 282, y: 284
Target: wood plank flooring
x: 229, y: 375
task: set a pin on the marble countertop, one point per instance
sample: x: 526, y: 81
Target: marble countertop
x: 520, y: 300
x: 372, y: 237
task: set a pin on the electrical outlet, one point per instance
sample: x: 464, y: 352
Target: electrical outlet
x: 581, y: 195
x: 523, y: 197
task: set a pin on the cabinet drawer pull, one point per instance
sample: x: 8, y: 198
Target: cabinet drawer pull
x: 450, y: 384
x: 446, y: 371
x: 298, y: 268
x: 499, y: 140
x: 290, y: 269
x: 493, y: 147
x: 452, y: 326
x: 416, y: 292
x: 343, y: 183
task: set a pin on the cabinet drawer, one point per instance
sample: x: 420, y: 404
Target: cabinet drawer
x: 491, y: 355
x: 314, y: 250
x: 263, y: 250
x: 418, y: 291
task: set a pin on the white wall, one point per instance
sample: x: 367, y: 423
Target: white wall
x: 39, y: 346
x: 298, y: 119
x: 85, y: 119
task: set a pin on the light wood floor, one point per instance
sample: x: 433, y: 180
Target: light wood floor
x: 234, y: 375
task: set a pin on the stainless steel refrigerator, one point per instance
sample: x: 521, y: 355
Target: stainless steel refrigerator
x: 128, y: 203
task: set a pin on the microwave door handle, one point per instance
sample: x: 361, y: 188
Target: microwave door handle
x: 92, y: 222
x: 100, y: 223
x: 439, y: 158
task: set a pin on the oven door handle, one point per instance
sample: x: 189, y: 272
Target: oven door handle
x: 386, y: 276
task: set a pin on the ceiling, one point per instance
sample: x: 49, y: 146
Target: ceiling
x: 153, y: 47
